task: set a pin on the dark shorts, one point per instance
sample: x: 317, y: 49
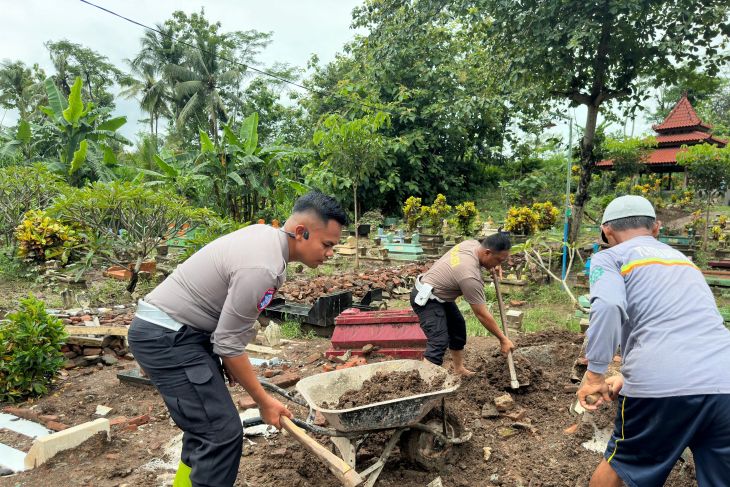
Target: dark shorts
x: 444, y: 327
x: 651, y: 434
x: 182, y: 366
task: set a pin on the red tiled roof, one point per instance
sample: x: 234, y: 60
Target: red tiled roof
x: 681, y: 116
x: 663, y: 155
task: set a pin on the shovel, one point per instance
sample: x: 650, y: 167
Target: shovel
x: 514, y: 383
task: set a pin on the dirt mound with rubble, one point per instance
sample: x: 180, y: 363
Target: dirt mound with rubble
x: 384, y: 386
x: 531, y: 440
x: 387, y: 279
x: 536, y: 442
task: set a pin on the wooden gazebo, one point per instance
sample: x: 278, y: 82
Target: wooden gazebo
x: 682, y: 127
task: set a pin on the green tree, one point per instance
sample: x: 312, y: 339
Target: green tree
x: 708, y: 168
x: 592, y: 53
x: 21, y: 87
x: 73, y: 61
x: 435, y: 72
x: 627, y: 154
x: 353, y: 148
x: 84, y: 150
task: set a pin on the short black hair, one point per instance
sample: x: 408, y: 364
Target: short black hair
x: 631, y: 222
x: 497, y: 242
x: 325, y: 207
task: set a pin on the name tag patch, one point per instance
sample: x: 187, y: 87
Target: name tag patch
x: 266, y: 299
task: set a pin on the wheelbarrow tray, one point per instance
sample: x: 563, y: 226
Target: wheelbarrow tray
x: 396, y: 413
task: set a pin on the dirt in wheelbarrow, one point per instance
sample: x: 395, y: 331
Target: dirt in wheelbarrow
x: 542, y: 445
x: 385, y: 386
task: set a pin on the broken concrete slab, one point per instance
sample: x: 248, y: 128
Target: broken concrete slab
x: 11, y: 458
x: 22, y: 426
x: 45, y: 448
x: 102, y: 410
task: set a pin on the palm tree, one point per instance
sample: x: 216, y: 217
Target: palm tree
x: 145, y: 85
x: 202, y: 82
x: 18, y: 88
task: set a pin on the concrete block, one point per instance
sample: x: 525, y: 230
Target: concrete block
x: 583, y: 325
x: 45, y: 448
x: 514, y: 319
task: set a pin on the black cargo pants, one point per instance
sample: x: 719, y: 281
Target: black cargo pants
x: 444, y: 327
x: 182, y: 366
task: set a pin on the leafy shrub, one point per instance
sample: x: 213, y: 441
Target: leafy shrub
x: 31, y: 356
x: 436, y: 213
x: 41, y: 237
x: 466, y: 214
x: 23, y: 189
x: 547, y: 215
x: 372, y: 218
x: 214, y: 228
x: 521, y: 220
x: 412, y: 212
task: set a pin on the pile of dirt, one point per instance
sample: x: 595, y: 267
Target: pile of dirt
x: 387, y: 279
x: 384, y: 386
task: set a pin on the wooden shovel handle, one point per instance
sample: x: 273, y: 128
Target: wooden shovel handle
x: 344, y: 473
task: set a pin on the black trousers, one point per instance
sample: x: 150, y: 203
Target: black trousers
x: 444, y: 327
x: 182, y: 366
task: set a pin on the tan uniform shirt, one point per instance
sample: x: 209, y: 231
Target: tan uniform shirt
x: 458, y: 273
x: 224, y: 286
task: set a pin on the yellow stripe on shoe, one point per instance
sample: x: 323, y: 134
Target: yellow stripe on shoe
x: 182, y: 476
x: 627, y: 268
x: 615, y: 446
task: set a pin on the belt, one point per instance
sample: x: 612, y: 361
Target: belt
x: 425, y: 292
x: 154, y: 315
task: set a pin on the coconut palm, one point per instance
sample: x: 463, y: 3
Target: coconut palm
x: 145, y: 84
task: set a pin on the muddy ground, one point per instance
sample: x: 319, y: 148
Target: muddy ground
x: 539, y: 453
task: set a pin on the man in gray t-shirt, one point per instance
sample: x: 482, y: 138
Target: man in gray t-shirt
x: 675, y: 387
x: 199, y: 320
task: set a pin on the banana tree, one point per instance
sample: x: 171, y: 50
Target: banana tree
x: 84, y: 138
x: 245, y: 177
x: 180, y: 174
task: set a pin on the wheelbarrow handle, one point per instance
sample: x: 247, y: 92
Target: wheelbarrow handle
x: 312, y: 428
x: 339, y: 468
x: 282, y: 392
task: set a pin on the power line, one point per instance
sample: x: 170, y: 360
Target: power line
x: 233, y: 61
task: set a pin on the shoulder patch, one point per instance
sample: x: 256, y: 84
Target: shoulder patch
x: 266, y: 299
x: 596, y: 273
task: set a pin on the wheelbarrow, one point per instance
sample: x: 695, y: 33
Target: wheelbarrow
x: 420, y: 422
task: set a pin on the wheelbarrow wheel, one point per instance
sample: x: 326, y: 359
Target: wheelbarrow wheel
x: 426, y: 450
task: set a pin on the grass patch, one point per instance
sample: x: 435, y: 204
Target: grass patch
x: 292, y: 330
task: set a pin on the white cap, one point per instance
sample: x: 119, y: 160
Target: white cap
x: 626, y: 206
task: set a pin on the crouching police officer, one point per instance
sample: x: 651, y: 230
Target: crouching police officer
x: 204, y: 312
x: 458, y: 273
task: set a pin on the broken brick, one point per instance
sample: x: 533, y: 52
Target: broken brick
x: 56, y: 426
x: 118, y: 420
x: 570, y: 430
x: 139, y: 420
x: 310, y: 359
x: 504, y: 403
x: 24, y: 413
x: 271, y: 373
x: 517, y: 415
x: 328, y: 367
x: 287, y: 379
x: 48, y: 417
x: 247, y: 402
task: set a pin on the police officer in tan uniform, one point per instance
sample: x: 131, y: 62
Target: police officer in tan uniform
x: 458, y: 273
x: 198, y: 321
